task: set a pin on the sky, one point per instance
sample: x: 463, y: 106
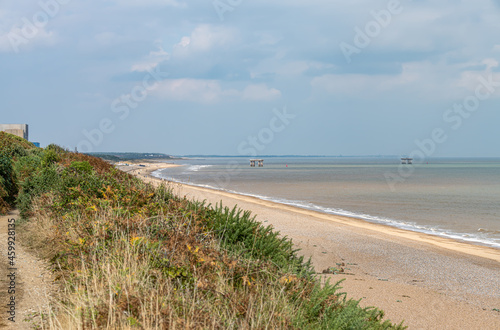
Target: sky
x: 238, y: 77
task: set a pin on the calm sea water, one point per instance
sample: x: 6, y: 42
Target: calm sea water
x: 455, y: 198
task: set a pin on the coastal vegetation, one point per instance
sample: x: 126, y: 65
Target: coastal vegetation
x: 11, y: 149
x: 126, y: 254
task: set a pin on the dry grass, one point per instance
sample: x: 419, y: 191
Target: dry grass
x: 114, y: 287
x: 127, y: 255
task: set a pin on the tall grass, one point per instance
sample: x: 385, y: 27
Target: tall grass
x: 116, y: 283
x: 128, y: 255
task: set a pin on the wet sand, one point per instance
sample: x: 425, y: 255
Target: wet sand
x: 428, y: 281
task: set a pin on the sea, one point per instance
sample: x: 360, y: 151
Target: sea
x: 453, y: 198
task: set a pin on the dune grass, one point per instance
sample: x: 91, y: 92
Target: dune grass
x: 129, y: 255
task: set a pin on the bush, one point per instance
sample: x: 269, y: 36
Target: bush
x: 81, y: 167
x: 8, y: 186
x: 240, y: 233
x: 57, y: 149
x: 42, y: 181
x: 49, y: 157
x: 27, y: 165
x: 14, y: 146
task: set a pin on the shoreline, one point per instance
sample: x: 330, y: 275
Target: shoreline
x: 420, y: 278
x: 471, y: 248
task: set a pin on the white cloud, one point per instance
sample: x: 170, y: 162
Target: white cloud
x: 362, y: 85
x: 260, y: 93
x: 204, y: 38
x: 16, y: 40
x: 211, y: 91
x: 415, y: 78
x: 185, y: 41
x: 151, y: 61
x: 195, y: 90
x: 440, y: 81
x: 470, y: 80
x: 282, y: 67
x: 490, y: 63
x: 25, y: 26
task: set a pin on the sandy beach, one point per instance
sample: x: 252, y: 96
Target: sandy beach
x: 428, y: 281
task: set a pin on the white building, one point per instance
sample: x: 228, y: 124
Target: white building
x: 20, y: 130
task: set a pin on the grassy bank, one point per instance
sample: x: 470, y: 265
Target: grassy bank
x: 129, y: 255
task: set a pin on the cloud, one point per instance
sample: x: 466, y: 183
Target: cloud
x: 279, y: 51
x: 204, y: 38
x: 287, y: 68
x: 363, y: 85
x: 211, y: 91
x: 206, y: 53
x: 193, y: 90
x: 260, y: 93
x: 26, y: 26
x: 17, y: 39
x: 430, y: 80
x: 151, y: 61
x: 469, y: 80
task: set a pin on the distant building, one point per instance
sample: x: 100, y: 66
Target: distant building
x: 20, y: 130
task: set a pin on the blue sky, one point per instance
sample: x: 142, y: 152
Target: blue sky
x: 255, y: 77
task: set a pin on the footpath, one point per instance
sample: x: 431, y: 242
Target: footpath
x: 25, y: 280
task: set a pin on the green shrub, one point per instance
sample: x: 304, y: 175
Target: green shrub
x: 14, y: 146
x: 27, y: 165
x: 239, y: 232
x: 49, y: 157
x: 41, y: 181
x: 81, y: 167
x: 57, y: 149
x: 8, y: 186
